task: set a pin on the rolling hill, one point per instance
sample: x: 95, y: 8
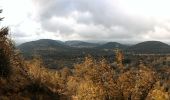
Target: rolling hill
x: 41, y: 44
x: 57, y: 53
x: 79, y: 47
x: 150, y: 47
x: 112, y: 45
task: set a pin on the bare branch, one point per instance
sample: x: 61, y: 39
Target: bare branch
x: 1, y: 18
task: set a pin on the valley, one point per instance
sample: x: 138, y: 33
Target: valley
x: 58, y: 54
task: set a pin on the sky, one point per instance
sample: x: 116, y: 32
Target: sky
x: 125, y: 21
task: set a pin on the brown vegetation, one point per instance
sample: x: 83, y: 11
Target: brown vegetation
x: 89, y: 80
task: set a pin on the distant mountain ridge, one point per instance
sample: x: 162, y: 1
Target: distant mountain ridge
x: 57, y: 53
x: 112, y: 45
x: 42, y: 43
x: 147, y: 47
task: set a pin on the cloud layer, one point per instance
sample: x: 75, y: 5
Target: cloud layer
x: 102, y: 20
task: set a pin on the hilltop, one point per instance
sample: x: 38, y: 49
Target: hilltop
x: 150, y: 47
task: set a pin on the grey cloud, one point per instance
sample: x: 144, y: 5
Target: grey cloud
x: 95, y: 13
x: 48, y: 8
x: 19, y: 34
x: 55, y: 27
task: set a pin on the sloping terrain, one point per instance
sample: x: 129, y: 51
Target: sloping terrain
x: 55, y: 53
x: 112, y: 45
x: 17, y: 83
x: 150, y: 47
x: 89, y: 80
x: 42, y: 44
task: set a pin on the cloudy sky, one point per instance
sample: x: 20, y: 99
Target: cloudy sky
x: 100, y: 20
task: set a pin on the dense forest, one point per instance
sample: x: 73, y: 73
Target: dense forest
x: 90, y: 80
x: 21, y: 79
x: 58, y: 54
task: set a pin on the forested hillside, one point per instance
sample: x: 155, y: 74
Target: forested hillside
x: 57, y: 54
x: 89, y: 80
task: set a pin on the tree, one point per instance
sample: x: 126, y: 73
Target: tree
x: 119, y: 58
x: 4, y: 52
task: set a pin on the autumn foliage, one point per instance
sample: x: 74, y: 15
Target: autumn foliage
x: 90, y: 80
